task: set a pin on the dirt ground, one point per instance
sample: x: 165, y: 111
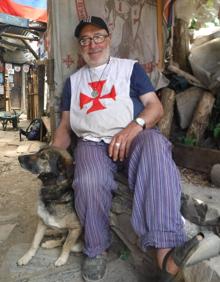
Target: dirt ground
x: 18, y: 191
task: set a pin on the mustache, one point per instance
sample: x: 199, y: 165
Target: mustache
x: 95, y: 49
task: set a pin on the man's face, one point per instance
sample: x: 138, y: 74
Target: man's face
x: 95, y: 54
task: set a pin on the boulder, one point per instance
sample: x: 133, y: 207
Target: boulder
x: 215, y: 175
x: 186, y: 102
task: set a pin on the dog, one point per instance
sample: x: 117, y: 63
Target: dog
x: 54, y: 168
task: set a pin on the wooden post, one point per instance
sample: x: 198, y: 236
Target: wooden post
x: 35, y: 96
x: 201, y: 117
x: 160, y: 33
x: 167, y: 100
x: 50, y: 70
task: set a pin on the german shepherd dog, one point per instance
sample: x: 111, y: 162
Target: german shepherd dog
x: 56, y: 202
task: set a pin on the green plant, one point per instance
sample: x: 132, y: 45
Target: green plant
x: 188, y: 141
x: 216, y: 131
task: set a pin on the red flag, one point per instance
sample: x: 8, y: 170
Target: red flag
x: 168, y: 12
x: 30, y: 9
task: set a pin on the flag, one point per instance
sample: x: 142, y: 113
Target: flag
x: 168, y: 10
x: 35, y: 10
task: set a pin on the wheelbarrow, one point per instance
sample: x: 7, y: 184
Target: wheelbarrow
x: 10, y: 117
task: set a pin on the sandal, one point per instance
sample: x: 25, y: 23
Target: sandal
x: 191, y: 252
x: 94, y: 269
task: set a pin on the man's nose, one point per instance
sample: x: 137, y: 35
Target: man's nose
x: 92, y: 43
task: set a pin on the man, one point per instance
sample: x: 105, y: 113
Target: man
x: 111, y: 106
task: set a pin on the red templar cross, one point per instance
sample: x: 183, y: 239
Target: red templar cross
x: 96, y: 104
x: 68, y: 61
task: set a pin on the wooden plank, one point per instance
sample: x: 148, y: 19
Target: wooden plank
x: 46, y: 121
x: 160, y: 34
x: 196, y: 158
x: 201, y: 116
x: 167, y: 99
x: 190, y: 78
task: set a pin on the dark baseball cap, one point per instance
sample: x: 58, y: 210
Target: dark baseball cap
x: 90, y: 20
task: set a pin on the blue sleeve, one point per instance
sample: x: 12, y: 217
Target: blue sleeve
x: 66, y: 96
x: 140, y: 82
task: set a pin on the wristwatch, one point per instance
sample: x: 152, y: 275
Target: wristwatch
x: 140, y: 121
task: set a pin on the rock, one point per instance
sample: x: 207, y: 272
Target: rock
x: 206, y: 271
x: 186, y: 102
x: 42, y: 269
x: 204, y: 61
x: 215, y: 175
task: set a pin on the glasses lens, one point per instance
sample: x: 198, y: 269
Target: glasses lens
x: 84, y: 41
x: 99, y: 38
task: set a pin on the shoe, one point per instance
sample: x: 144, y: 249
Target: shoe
x: 191, y: 252
x: 94, y: 269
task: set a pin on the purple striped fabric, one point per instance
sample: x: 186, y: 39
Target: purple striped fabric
x: 152, y: 176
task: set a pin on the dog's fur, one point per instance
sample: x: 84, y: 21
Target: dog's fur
x: 56, y: 201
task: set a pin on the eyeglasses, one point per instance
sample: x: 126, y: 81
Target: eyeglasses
x: 85, y: 41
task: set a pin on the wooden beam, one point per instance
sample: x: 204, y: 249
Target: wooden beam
x: 31, y: 49
x: 160, y: 33
x: 190, y: 78
x: 196, y: 158
x: 5, y: 42
x: 201, y: 116
x: 167, y: 99
x: 17, y: 36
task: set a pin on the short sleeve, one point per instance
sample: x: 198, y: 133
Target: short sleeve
x: 140, y: 82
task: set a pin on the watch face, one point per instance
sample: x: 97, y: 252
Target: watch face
x: 140, y: 121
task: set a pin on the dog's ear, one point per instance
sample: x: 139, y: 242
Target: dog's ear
x: 70, y: 171
x: 65, y: 166
x: 43, y: 147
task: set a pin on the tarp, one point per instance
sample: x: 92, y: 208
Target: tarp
x: 168, y: 12
x: 30, y: 9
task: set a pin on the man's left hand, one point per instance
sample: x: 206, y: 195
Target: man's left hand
x: 121, y: 142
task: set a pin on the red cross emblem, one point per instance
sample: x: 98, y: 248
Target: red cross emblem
x: 68, y: 61
x: 97, y: 87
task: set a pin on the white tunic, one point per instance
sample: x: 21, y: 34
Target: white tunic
x: 101, y: 117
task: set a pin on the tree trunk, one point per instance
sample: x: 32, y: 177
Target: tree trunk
x: 201, y: 117
x: 167, y: 100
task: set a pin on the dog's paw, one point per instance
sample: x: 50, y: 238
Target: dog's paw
x: 61, y: 260
x: 51, y: 244
x: 24, y: 260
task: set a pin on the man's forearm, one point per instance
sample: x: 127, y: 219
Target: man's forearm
x: 151, y: 115
x: 62, y: 138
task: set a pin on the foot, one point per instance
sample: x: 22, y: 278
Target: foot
x: 175, y: 259
x: 94, y: 269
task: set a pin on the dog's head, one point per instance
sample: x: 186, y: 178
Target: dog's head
x: 49, y: 163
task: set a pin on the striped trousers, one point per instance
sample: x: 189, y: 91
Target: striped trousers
x: 152, y: 176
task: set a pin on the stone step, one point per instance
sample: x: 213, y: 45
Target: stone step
x: 42, y: 269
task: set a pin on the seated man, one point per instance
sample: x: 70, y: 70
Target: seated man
x: 111, y: 106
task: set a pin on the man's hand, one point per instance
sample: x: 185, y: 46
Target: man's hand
x: 121, y: 142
